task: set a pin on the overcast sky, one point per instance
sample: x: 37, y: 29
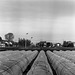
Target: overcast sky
x: 50, y: 20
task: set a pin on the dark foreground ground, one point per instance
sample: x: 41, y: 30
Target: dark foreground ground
x: 37, y: 61
x: 40, y: 48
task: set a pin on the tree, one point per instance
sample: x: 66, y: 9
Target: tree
x: 0, y: 38
x: 9, y: 36
x: 68, y: 44
x: 48, y: 44
x: 28, y: 43
x: 65, y: 44
x: 22, y: 42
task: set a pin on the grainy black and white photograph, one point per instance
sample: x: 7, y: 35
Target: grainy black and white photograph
x: 37, y: 37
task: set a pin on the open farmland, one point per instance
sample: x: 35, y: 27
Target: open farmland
x: 37, y: 62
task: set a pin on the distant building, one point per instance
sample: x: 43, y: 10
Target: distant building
x: 2, y: 43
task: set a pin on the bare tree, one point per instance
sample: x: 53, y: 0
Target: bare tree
x: 9, y: 36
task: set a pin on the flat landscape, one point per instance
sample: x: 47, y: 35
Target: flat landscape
x: 37, y: 62
x: 37, y: 37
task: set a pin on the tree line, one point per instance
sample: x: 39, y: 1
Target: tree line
x: 9, y: 37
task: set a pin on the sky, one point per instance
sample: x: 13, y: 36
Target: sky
x: 50, y: 20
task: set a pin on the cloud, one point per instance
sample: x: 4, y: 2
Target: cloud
x: 17, y: 9
x: 47, y: 18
